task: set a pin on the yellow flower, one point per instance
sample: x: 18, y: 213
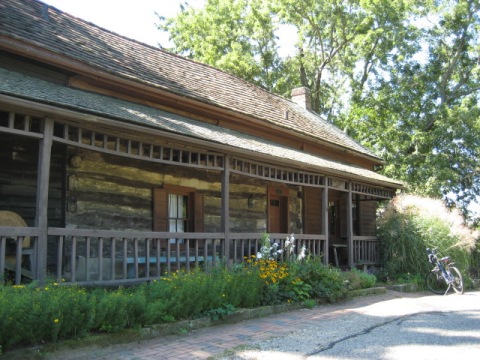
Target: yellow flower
x: 56, y: 321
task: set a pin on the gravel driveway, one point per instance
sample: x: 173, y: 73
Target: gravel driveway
x: 426, y: 327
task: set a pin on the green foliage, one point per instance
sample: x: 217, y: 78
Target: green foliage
x: 356, y: 279
x: 183, y: 295
x: 325, y: 282
x: 37, y: 314
x: 220, y: 312
x: 401, y: 77
x: 33, y: 314
x: 237, y: 36
x: 298, y: 290
x: 410, y: 224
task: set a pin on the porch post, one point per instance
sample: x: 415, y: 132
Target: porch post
x: 325, y: 219
x: 41, y: 213
x: 225, y: 219
x: 350, y: 225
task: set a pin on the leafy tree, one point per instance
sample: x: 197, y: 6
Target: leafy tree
x: 334, y: 38
x: 401, y: 76
x: 237, y: 36
x: 423, y: 115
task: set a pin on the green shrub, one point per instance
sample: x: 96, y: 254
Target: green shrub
x: 356, y: 279
x: 326, y: 282
x: 410, y: 224
x: 34, y: 314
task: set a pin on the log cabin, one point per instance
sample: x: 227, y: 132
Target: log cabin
x: 122, y: 161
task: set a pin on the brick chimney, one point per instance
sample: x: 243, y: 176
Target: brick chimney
x: 301, y: 96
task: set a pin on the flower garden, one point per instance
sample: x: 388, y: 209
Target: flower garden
x: 33, y: 314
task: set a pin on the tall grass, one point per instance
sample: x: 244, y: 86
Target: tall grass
x: 409, y: 224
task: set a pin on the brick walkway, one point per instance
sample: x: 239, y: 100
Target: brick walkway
x: 213, y: 341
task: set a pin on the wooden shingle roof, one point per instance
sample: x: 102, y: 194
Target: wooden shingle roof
x: 47, y: 28
x: 36, y: 90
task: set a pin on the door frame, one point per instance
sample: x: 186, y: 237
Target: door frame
x: 280, y: 192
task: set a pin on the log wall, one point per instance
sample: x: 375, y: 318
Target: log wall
x: 110, y: 192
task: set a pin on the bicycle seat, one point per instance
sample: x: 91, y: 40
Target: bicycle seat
x: 445, y: 259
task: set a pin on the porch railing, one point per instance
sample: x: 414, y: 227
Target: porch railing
x: 365, y: 250
x: 101, y: 256
x: 114, y: 257
x: 14, y: 255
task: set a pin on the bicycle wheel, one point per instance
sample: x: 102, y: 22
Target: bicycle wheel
x: 436, y: 283
x: 457, y: 285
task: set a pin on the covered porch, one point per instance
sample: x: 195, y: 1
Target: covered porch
x: 85, y: 225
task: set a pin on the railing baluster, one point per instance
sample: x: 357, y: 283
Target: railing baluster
x: 197, y: 252
x: 73, y: 259
x: 177, y: 250
x: 158, y: 254
x: 135, y: 256
x: 187, y: 255
x: 205, y: 253
x: 242, y: 249
x: 100, y: 258
x: 59, y: 258
x: 18, y: 260
x: 3, y: 242
x: 169, y: 266
x: 87, y: 258
x: 214, y: 252
x: 112, y: 258
x: 125, y: 258
x: 147, y: 258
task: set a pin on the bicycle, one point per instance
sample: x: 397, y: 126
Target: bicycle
x: 443, y: 276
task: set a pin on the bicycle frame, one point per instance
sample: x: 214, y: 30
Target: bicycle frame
x: 442, y: 268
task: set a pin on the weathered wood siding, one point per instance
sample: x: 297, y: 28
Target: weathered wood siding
x: 18, y: 179
x: 313, y: 210
x: 111, y: 192
x: 18, y: 183
x: 367, y: 220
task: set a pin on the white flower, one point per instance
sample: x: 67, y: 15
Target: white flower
x: 301, y: 255
x: 259, y: 255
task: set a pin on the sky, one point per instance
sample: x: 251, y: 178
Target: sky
x: 133, y: 19
x: 136, y: 19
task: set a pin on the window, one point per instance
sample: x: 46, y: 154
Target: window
x: 178, y: 213
x: 177, y: 209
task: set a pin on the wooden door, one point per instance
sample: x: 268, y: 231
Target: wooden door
x: 277, y: 214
